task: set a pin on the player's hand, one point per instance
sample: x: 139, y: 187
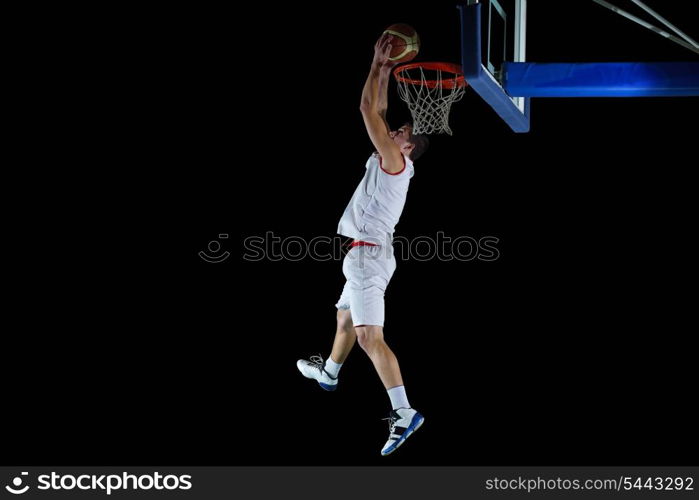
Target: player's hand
x: 382, y: 52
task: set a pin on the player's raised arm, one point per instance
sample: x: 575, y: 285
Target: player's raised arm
x: 373, y: 100
x: 384, y: 78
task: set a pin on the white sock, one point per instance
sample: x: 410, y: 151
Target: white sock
x: 331, y: 367
x: 398, y: 397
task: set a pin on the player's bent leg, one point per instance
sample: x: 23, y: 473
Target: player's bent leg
x: 314, y: 368
x: 325, y: 372
x: 345, y: 336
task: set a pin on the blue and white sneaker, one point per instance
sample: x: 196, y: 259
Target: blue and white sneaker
x: 315, y: 369
x: 401, y: 423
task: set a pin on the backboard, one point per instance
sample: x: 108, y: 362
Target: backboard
x: 493, y: 46
x: 492, y: 33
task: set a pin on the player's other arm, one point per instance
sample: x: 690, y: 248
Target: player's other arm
x: 382, y: 105
x: 373, y: 107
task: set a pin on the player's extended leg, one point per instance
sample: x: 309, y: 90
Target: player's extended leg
x: 403, y: 420
x: 372, y: 342
x: 326, y: 371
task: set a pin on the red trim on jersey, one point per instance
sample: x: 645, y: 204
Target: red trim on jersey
x: 359, y: 243
x: 389, y: 173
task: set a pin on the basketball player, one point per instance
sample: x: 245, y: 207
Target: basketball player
x: 369, y: 219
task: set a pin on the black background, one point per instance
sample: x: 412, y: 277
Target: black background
x: 572, y: 348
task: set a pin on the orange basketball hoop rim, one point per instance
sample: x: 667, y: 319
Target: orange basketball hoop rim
x: 456, y: 81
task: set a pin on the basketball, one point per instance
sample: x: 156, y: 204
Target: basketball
x: 405, y: 44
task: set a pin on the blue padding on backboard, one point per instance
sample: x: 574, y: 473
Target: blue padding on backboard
x: 650, y: 79
x: 479, y: 79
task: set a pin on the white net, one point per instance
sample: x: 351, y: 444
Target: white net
x: 429, y: 98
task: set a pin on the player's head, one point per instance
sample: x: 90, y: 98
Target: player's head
x: 411, y: 145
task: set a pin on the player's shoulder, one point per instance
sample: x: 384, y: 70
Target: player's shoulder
x: 404, y: 169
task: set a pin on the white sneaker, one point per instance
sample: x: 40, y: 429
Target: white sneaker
x: 402, y: 423
x: 315, y: 369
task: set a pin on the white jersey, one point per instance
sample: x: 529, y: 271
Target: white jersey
x: 377, y: 203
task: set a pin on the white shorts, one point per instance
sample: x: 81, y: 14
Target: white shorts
x: 368, y: 270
